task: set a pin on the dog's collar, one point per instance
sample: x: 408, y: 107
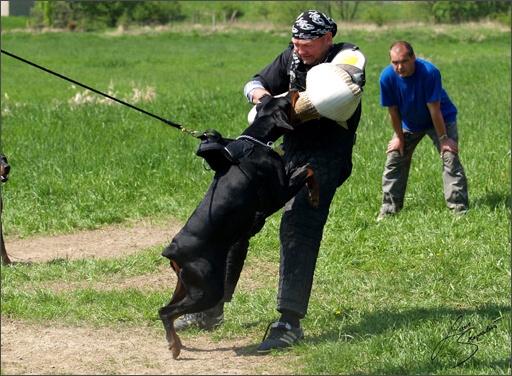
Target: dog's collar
x: 269, y: 144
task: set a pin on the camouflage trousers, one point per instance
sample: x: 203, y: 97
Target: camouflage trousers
x: 396, y: 173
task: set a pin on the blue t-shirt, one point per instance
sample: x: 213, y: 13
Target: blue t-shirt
x: 411, y: 95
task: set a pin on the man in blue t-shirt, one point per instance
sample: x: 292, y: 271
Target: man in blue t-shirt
x: 418, y: 105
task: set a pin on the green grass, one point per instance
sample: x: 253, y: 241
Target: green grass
x: 69, y: 291
x: 14, y: 22
x: 385, y: 293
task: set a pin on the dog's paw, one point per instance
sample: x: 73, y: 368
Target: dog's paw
x: 313, y: 191
x: 175, y: 351
x: 305, y: 176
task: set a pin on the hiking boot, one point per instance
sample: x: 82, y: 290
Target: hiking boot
x: 281, y: 335
x: 199, y: 320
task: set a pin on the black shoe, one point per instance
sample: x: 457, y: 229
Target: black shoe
x: 383, y: 215
x: 199, y: 320
x: 460, y: 211
x: 281, y: 335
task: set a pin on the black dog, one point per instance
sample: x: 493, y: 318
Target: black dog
x: 257, y: 184
x: 4, y: 171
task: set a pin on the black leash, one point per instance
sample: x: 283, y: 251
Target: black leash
x: 168, y: 122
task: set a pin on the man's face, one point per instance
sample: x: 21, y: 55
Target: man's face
x: 313, y: 52
x: 403, y: 64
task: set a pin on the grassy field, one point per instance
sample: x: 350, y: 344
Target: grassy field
x: 385, y: 293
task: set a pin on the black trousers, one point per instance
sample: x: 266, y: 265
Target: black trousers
x: 327, y: 149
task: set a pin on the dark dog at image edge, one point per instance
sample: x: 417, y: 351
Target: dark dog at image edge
x: 4, y: 171
x: 257, y: 184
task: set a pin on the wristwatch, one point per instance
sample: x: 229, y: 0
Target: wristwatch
x: 443, y: 137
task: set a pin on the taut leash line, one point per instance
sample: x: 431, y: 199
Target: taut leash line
x: 168, y: 122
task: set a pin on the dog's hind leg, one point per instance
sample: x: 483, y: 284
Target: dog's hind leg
x: 179, y: 294
x: 197, y: 289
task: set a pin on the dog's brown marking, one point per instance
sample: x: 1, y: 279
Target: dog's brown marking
x: 313, y: 191
x: 179, y: 294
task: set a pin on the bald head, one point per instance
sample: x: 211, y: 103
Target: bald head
x: 402, y: 58
x: 402, y: 45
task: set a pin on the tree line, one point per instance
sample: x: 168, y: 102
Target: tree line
x: 88, y: 15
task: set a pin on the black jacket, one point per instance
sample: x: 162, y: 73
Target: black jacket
x: 277, y: 78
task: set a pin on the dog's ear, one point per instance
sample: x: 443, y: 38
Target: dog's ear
x: 282, y: 119
x: 283, y: 116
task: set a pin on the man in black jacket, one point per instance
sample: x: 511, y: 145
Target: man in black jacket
x: 324, y: 144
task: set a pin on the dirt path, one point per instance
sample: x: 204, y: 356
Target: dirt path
x: 106, y: 242
x: 28, y: 348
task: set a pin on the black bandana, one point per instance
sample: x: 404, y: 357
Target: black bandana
x: 312, y: 25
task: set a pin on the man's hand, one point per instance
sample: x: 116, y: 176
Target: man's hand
x: 258, y: 94
x: 440, y: 127
x: 396, y: 144
x: 449, y: 145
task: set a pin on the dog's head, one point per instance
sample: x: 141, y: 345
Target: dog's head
x: 273, y: 118
x: 4, y: 168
